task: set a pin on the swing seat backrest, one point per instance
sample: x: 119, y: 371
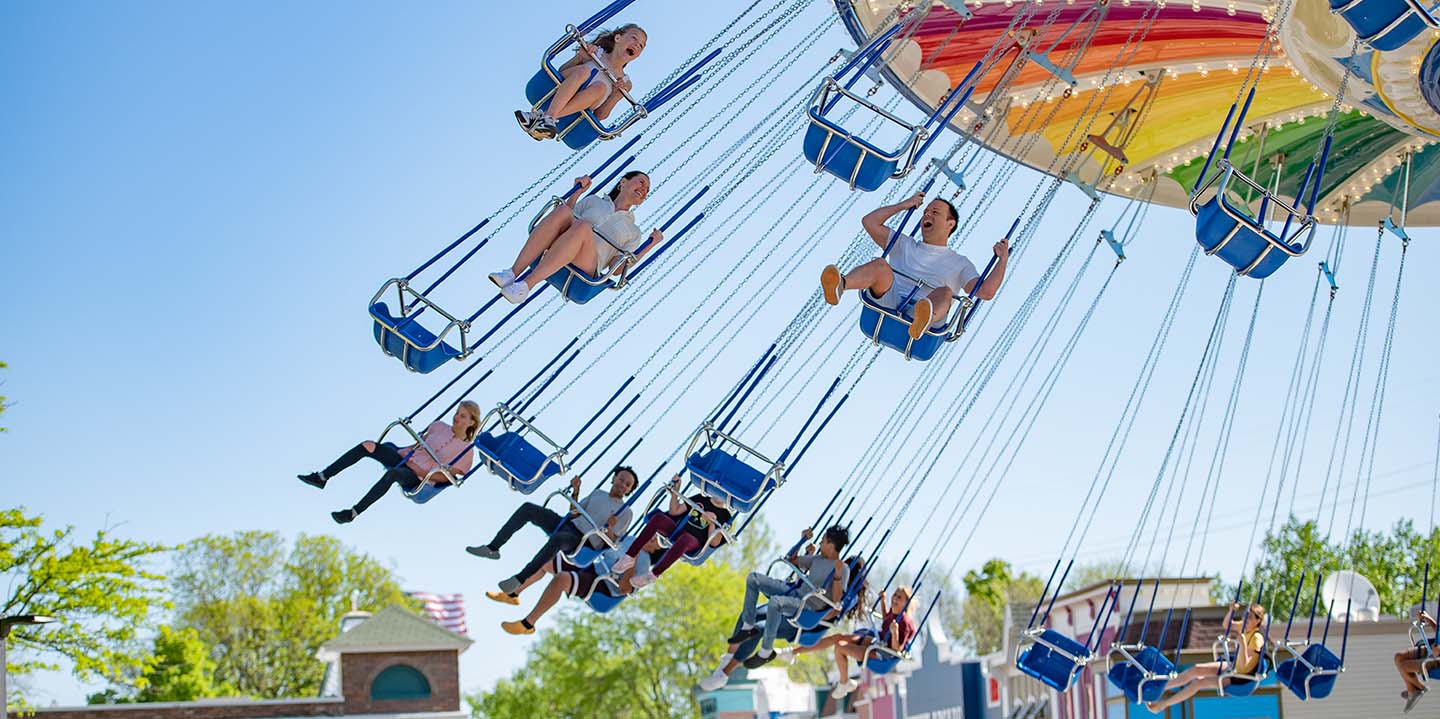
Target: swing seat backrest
x: 578, y: 286
x: 1054, y: 659
x: 1226, y: 231
x: 882, y: 662
x: 426, y: 492
x: 513, y: 458
x: 1305, y: 682
x: 811, y: 618
x: 405, y: 339
x: 602, y: 603
x: 1385, y: 24
x: 1246, y: 686
x: 724, y: 476
x: 700, y: 555
x: 891, y: 328
x: 1144, y: 679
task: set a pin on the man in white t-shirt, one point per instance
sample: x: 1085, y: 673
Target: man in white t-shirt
x: 925, y: 271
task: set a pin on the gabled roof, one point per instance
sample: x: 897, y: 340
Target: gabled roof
x: 396, y: 629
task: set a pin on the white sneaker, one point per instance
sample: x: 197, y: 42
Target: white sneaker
x: 640, y: 581
x: 515, y: 292
x: 844, y: 688
x: 502, y: 278
x: 714, y: 681
x: 623, y: 565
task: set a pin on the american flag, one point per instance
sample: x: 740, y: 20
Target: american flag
x: 447, y: 610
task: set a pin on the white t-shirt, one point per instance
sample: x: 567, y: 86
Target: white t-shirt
x: 934, y: 265
x: 618, y: 226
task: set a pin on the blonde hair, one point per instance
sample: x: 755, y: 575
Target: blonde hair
x: 909, y: 597
x: 474, y: 410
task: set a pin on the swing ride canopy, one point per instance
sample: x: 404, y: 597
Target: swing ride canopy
x: 1205, y: 48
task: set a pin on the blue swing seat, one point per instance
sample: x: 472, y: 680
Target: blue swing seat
x: 578, y: 286
x: 1248, y: 686
x: 885, y: 663
x: 719, y: 473
x: 1144, y: 680
x: 426, y: 492
x: 1251, y: 249
x: 1313, y: 678
x: 834, y: 150
x: 891, y: 328
x: 521, y: 464
x: 1046, y: 659
x: 1385, y: 24
x: 405, y: 339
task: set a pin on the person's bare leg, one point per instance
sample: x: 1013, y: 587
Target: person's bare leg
x: 572, y: 246
x: 844, y: 652
x: 1409, y: 668
x: 572, y: 80
x: 531, y: 580
x: 1176, y: 698
x: 825, y: 642
x: 591, y: 97
x: 544, y: 235
x: 874, y: 275
x: 931, y: 307
x: 553, y: 591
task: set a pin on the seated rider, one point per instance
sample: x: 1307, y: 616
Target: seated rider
x: 897, y: 626
x: 1248, y: 634
x: 1411, y: 662
x: 566, y: 533
x: 824, y: 571
x: 703, y: 518
x: 607, y: 55
x: 576, y: 233
x: 893, y: 279
x: 446, y: 441
x: 583, y: 582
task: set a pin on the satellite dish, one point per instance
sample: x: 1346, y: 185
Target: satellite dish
x: 1344, y: 590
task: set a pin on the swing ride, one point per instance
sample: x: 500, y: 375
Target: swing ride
x: 1235, y: 110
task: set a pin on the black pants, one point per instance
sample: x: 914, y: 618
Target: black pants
x: 564, y: 539
x: 385, y: 454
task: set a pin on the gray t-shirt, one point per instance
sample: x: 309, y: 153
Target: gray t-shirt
x: 822, y: 572
x: 600, y: 505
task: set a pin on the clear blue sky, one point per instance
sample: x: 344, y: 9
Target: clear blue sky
x: 200, y: 200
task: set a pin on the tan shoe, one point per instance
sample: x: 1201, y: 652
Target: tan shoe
x: 517, y: 628
x: 833, y: 284
x: 924, y: 312
x: 504, y: 598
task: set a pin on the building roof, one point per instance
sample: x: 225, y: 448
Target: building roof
x: 396, y: 629
x: 1082, y: 591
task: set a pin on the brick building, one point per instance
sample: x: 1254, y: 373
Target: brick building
x: 392, y: 664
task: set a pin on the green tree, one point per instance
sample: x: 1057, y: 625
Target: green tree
x: 1088, y: 574
x: 642, y: 658
x: 182, y: 669
x: 263, y: 606
x: 988, y: 592
x: 1393, y: 560
x: 99, y: 591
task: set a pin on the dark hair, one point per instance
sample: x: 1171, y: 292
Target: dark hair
x: 837, y: 536
x: 953, y: 214
x: 857, y: 574
x: 626, y: 468
x: 614, y: 193
x: 606, y: 39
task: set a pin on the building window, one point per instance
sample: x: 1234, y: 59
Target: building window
x: 400, y: 682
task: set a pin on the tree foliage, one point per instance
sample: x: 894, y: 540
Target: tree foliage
x: 264, y: 606
x: 99, y: 591
x: 182, y: 669
x: 1393, y: 560
x: 642, y: 658
x: 988, y: 591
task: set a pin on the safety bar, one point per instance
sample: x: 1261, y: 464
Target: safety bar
x: 441, y: 467
x: 506, y: 416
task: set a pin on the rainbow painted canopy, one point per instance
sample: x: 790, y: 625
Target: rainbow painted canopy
x: 1204, y: 48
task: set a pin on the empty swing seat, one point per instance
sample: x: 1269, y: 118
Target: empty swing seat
x: 1054, y: 659
x: 577, y: 130
x: 1252, y: 250
x: 723, y: 475
x: 832, y: 149
x: 520, y: 463
x: 1385, y: 24
x: 1142, y: 680
x: 891, y: 328
x: 404, y: 338
x: 1313, y: 678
